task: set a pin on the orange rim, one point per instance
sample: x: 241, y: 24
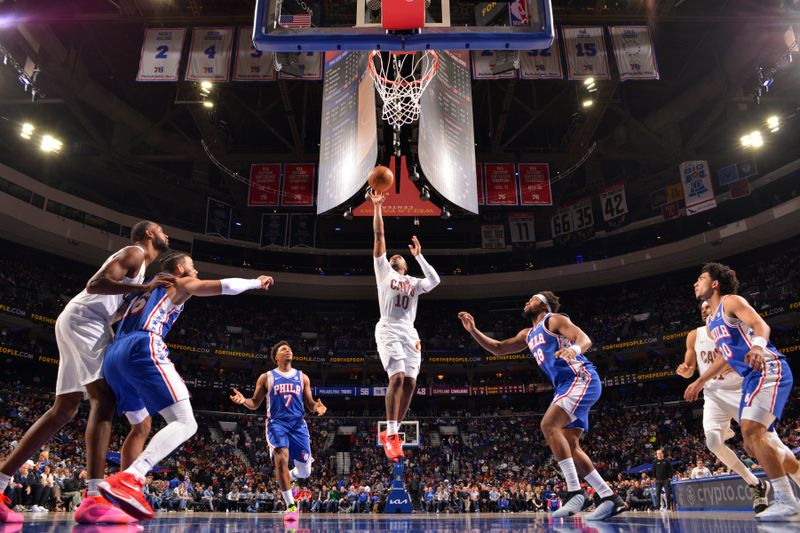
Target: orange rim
x: 385, y: 81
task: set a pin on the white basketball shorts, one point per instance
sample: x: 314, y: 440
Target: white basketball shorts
x: 719, y: 408
x: 399, y: 348
x: 82, y: 338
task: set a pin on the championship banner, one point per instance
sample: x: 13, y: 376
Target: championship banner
x: 302, y: 228
x: 161, y: 54
x: 697, y: 189
x: 265, y: 182
x: 501, y: 184
x: 310, y: 63
x: 252, y: 64
x: 298, y: 184
x: 633, y: 48
x: 210, y: 54
x: 534, y: 184
x: 274, y: 229
x: 541, y: 64
x: 585, y: 49
x: 613, y: 201
x: 483, y: 61
x: 479, y: 174
x: 218, y: 218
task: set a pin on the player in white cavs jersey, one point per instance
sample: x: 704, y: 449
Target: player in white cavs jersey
x: 722, y: 396
x: 83, y: 330
x: 397, y: 339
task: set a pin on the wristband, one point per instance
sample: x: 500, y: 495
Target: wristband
x: 761, y: 342
x: 577, y: 349
x: 234, y: 286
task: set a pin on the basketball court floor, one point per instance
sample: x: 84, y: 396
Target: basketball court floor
x: 716, y: 522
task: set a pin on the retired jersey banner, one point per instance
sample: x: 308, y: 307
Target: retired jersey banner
x: 633, y: 48
x: 218, y: 218
x: 585, y: 49
x: 311, y: 65
x: 298, y: 184
x: 161, y: 54
x: 252, y: 64
x: 274, y: 229
x: 582, y: 215
x: 613, y: 201
x: 210, y: 54
x: 697, y: 189
x: 484, y: 61
x: 479, y: 174
x: 265, y: 183
x: 501, y: 184
x: 541, y: 64
x: 534, y: 184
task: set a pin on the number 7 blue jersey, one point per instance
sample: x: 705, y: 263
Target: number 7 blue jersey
x: 285, y: 396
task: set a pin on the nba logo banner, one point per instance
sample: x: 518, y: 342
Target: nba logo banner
x: 633, y: 48
x: 210, y: 54
x: 161, y: 54
x: 697, y: 189
x: 585, y: 49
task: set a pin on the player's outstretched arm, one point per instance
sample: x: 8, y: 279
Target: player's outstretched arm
x: 257, y: 399
x: 431, y: 279
x: 218, y: 287
x: 379, y: 250
x: 738, y: 307
x: 562, y: 325
x: 314, y: 406
x: 127, y: 263
x: 514, y: 344
x: 689, y: 365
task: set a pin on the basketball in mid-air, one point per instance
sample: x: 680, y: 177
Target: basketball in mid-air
x: 381, y: 179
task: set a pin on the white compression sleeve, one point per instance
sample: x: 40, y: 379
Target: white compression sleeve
x: 431, y: 276
x: 234, y: 286
x: 181, y: 425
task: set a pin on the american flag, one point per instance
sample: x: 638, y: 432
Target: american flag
x: 295, y: 21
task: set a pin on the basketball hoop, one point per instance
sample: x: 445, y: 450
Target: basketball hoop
x: 400, y: 82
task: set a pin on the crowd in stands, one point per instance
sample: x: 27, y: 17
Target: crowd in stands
x: 495, y: 462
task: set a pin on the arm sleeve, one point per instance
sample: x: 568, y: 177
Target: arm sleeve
x: 382, y: 268
x: 431, y: 277
x: 234, y: 286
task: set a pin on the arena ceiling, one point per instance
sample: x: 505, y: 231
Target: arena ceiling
x: 137, y: 148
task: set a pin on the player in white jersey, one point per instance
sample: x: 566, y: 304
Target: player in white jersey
x: 722, y: 396
x: 398, y: 341
x: 83, y: 330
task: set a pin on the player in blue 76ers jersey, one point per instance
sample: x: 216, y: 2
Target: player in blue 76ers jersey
x: 742, y: 337
x: 144, y: 380
x: 286, y: 390
x: 557, y: 345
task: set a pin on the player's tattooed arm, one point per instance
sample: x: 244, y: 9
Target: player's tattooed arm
x: 738, y: 307
x: 689, y: 365
x: 125, y: 264
x: 379, y: 250
x: 515, y: 344
x: 562, y: 325
x: 314, y: 406
x: 257, y: 399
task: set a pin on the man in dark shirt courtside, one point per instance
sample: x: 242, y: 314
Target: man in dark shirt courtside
x: 663, y: 471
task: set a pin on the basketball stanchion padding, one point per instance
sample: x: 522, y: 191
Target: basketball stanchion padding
x: 399, y: 15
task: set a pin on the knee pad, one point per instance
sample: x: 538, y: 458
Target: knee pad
x: 182, y: 414
x: 303, y: 470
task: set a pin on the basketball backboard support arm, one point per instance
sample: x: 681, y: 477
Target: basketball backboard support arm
x: 269, y: 35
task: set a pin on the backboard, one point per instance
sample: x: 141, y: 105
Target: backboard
x: 320, y: 25
x: 408, y: 430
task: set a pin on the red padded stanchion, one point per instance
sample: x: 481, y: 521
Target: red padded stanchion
x: 402, y: 14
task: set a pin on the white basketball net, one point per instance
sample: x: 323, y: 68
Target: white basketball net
x: 400, y: 82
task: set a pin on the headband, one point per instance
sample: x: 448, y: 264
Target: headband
x: 544, y: 301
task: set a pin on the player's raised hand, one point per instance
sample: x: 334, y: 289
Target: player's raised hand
x: 161, y: 280
x: 692, y: 392
x: 685, y: 371
x: 467, y: 320
x: 319, y: 408
x: 755, y: 358
x: 415, y: 246
x: 238, y: 397
x: 266, y: 282
x: 377, y: 197
x: 567, y: 354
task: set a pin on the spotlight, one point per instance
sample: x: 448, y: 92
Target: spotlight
x: 206, y: 85
x: 425, y: 194
x: 590, y: 85
x: 50, y: 144
x: 348, y: 214
x: 26, y: 131
x: 446, y: 215
x: 756, y: 140
x: 774, y: 123
x: 208, y: 104
x: 588, y: 81
x: 746, y: 141
x: 588, y: 103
